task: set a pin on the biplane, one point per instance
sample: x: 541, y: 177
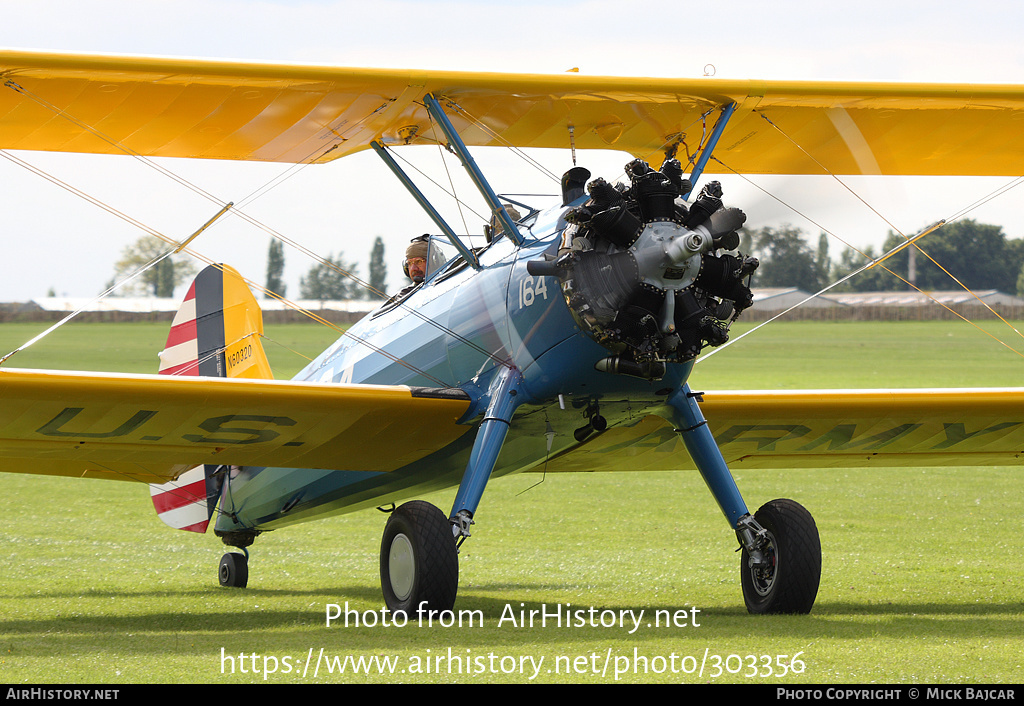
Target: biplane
x: 566, y: 339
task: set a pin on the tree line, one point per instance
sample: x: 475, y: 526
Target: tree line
x: 979, y: 255
x: 334, y: 278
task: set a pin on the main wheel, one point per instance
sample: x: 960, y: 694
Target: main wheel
x: 789, y: 581
x: 234, y: 570
x: 419, y: 563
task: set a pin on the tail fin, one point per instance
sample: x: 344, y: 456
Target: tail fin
x: 216, y: 333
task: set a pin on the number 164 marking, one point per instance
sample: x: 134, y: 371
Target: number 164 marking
x: 530, y: 288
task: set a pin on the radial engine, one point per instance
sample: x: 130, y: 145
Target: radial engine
x: 648, y: 276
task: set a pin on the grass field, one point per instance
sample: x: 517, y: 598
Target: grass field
x: 920, y: 584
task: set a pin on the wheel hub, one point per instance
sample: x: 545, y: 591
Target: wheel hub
x: 401, y: 567
x: 763, y: 575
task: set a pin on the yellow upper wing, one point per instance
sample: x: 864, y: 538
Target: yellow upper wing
x: 827, y: 428
x: 151, y: 428
x: 287, y: 113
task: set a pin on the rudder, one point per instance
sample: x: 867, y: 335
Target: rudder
x: 217, y: 330
x: 215, y: 333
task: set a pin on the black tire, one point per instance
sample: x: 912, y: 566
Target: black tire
x: 789, y: 584
x: 234, y: 570
x: 419, y: 562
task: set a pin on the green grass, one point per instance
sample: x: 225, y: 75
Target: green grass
x: 133, y: 347
x: 920, y: 582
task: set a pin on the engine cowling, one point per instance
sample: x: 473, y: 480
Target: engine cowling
x: 647, y: 275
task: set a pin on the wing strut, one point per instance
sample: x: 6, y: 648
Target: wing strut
x: 705, y: 154
x: 425, y: 204
x: 456, y: 143
x: 504, y: 399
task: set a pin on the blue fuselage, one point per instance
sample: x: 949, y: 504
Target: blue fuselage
x: 457, y: 330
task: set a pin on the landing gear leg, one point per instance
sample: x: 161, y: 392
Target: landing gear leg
x: 419, y: 564
x: 504, y: 399
x: 781, y: 557
x: 234, y: 566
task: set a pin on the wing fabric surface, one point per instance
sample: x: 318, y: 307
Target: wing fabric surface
x: 153, y: 428
x: 288, y: 113
x: 825, y: 429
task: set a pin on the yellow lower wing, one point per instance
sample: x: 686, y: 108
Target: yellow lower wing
x: 152, y: 428
x: 826, y: 428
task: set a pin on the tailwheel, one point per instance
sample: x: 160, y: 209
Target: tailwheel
x: 234, y: 570
x: 419, y: 562
x: 787, y: 580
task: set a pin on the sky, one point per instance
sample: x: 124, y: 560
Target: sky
x: 56, y: 241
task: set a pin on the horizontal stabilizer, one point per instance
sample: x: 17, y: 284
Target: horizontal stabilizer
x: 187, y: 503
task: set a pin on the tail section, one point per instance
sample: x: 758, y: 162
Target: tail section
x: 216, y: 333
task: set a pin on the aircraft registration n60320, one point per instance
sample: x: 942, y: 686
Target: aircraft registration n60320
x: 563, y: 341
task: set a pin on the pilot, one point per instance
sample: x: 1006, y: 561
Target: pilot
x: 415, y: 264
x: 496, y: 227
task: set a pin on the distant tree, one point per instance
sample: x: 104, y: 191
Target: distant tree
x: 158, y: 281
x: 871, y: 280
x: 378, y: 271
x: 330, y: 281
x: 822, y: 260
x: 275, y: 268
x: 786, y: 260
x: 979, y: 255
x: 746, y: 242
x: 165, y: 278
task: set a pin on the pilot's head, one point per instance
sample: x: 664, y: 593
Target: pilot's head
x: 415, y: 264
x: 495, y: 228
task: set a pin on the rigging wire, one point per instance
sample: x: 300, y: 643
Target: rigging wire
x: 908, y: 241
x: 959, y: 214
x: 426, y: 176
x: 518, y: 151
x: 1009, y: 186
x: 849, y: 276
x: 291, y: 171
x: 444, y: 163
x: 827, y: 171
x: 152, y: 263
x: 201, y: 258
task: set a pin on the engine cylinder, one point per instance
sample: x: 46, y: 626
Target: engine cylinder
x: 643, y: 274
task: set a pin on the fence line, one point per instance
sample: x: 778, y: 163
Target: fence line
x: 931, y: 312
x: 270, y: 317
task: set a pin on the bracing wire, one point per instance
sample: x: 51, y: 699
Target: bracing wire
x: 201, y: 258
x: 877, y: 262
x: 291, y: 171
x: 958, y: 214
